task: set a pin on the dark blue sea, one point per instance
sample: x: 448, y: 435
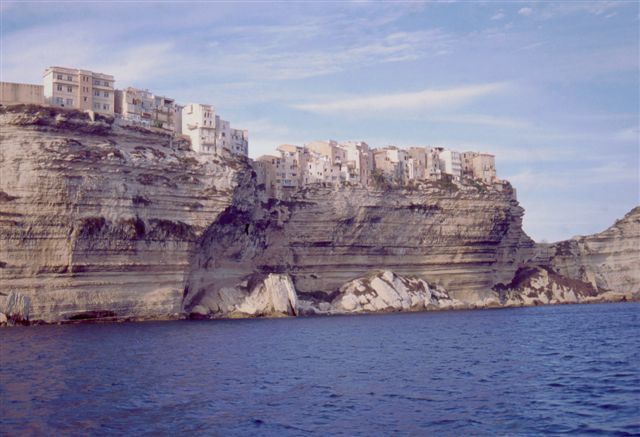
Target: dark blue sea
x: 555, y: 369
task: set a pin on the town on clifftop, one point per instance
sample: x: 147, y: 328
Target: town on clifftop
x: 329, y: 163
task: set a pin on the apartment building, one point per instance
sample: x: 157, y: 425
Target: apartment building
x: 142, y: 107
x: 484, y: 168
x: 358, y: 162
x: 450, y: 163
x: 240, y: 142
x: 199, y: 123
x: 292, y: 159
x: 211, y: 134
x: 79, y: 89
x: 266, y: 167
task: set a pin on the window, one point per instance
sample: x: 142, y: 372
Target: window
x: 105, y: 106
x: 96, y: 106
x: 59, y: 87
x: 106, y: 83
x: 84, y: 98
x: 70, y: 102
x: 69, y: 89
x: 69, y: 78
x: 59, y: 101
x: 59, y: 77
x: 96, y: 93
x: 106, y: 94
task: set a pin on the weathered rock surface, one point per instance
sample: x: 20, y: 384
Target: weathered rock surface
x: 465, y: 240
x: 386, y: 291
x: 609, y: 260
x: 103, y: 222
x: 97, y: 221
x: 271, y: 296
x: 541, y: 285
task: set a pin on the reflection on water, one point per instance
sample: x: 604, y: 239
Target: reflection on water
x: 530, y: 370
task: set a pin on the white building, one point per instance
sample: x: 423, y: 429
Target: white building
x: 451, y: 163
x: 199, y: 123
x: 211, y: 134
x: 79, y: 89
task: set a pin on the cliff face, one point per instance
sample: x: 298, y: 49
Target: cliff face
x: 609, y: 260
x: 103, y: 222
x: 465, y: 240
x: 97, y: 220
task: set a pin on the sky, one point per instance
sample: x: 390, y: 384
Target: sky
x: 552, y: 89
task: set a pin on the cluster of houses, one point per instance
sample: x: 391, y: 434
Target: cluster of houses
x: 355, y: 163
x: 318, y: 162
x: 90, y: 91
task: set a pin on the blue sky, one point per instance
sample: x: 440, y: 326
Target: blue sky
x: 552, y: 89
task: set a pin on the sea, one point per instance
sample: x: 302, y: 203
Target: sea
x: 521, y: 371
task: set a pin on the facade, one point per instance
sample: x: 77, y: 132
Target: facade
x: 292, y: 159
x: 393, y: 163
x: 142, y: 107
x: 484, y: 168
x: 240, y: 142
x: 210, y: 134
x: 25, y: 93
x: 79, y: 89
x: 266, y: 167
x: 358, y: 162
x: 199, y: 123
x: 450, y: 163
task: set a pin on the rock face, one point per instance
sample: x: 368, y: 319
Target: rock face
x: 271, y: 296
x: 540, y: 285
x: 103, y: 222
x: 465, y: 240
x: 609, y: 260
x: 97, y: 221
x: 386, y: 291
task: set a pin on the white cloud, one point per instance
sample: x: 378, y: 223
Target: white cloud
x: 525, y: 11
x: 498, y: 16
x: 425, y: 99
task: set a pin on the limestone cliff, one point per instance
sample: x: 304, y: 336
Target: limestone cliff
x: 103, y: 222
x: 465, y: 239
x: 100, y: 221
x: 609, y: 260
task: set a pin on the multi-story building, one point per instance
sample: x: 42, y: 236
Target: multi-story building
x: 484, y: 168
x: 211, y: 134
x: 199, y: 123
x: 450, y: 163
x: 79, y: 89
x: 240, y: 142
x: 432, y: 166
x: 267, y: 167
x: 319, y: 169
x: 293, y: 161
x: 25, y: 93
x: 393, y: 163
x: 142, y: 107
x: 358, y: 162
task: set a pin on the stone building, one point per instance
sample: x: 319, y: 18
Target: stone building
x: 79, y: 89
x: 25, y: 93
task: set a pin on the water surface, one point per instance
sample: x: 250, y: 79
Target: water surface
x: 510, y: 371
